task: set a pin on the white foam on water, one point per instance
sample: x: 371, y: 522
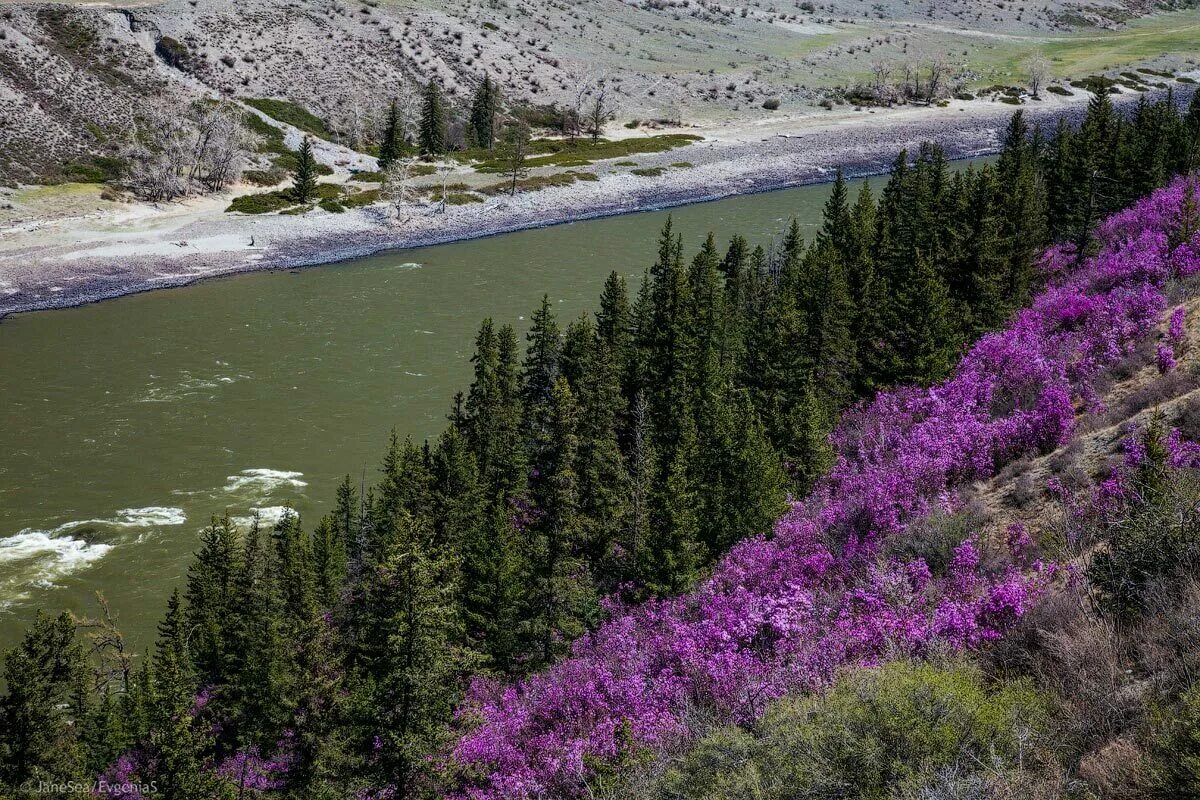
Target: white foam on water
x: 148, y: 517
x: 267, y: 516
x: 43, y: 559
x: 40, y: 558
x: 264, y: 480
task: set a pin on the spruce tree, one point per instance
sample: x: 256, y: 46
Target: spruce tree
x: 481, y: 125
x: 927, y: 338
x: 392, y: 145
x: 37, y: 738
x: 422, y: 667
x: 433, y: 137
x: 209, y: 597
x: 672, y: 559
x: 560, y: 597
x: 304, y: 176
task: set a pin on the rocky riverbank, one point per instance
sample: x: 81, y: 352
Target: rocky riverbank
x: 72, y: 260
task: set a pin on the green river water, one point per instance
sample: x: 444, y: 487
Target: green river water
x: 126, y: 425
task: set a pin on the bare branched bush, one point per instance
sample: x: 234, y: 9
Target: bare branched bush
x: 172, y: 154
x: 397, y: 187
x: 1037, y: 70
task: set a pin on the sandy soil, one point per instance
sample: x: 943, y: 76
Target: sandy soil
x: 93, y: 249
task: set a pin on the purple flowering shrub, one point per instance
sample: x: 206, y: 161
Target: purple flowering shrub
x: 783, y: 614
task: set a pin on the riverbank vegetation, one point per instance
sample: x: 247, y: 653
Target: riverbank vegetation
x: 595, y: 565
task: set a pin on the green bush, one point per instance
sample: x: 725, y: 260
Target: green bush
x: 1155, y: 541
x: 295, y: 115
x: 99, y: 169
x: 561, y: 153
x: 360, y: 199
x: 332, y: 206
x: 261, y: 203
x: 772, y: 103
x: 264, y: 177
x: 462, y: 199
x: 877, y: 733
x: 1054, y: 88
x: 1176, y: 770
x: 648, y: 172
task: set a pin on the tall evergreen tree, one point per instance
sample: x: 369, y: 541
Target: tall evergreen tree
x: 392, y: 144
x: 433, y: 136
x: 485, y: 106
x: 304, y: 176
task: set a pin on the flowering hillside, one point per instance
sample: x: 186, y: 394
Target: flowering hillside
x: 782, y: 614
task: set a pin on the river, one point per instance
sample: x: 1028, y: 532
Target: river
x: 129, y: 423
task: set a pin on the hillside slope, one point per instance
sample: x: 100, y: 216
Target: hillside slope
x: 75, y: 77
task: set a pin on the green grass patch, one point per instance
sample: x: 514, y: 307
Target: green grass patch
x: 360, y: 199
x: 1096, y: 84
x: 682, y: 165
x: 98, y: 169
x: 648, y: 172
x: 462, y: 199
x: 560, y: 153
x: 262, y: 203
x: 1012, y: 101
x: 1185, y: 79
x: 533, y: 184
x: 295, y: 115
x: 1059, y: 90
x: 626, y: 163
x: 332, y: 206
x: 296, y: 211
x: 264, y: 177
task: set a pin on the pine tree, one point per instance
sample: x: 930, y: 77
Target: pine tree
x: 37, y: 738
x: 179, y: 737
x: 927, y: 338
x: 420, y: 673
x: 433, y: 137
x: 304, y: 176
x: 672, y: 559
x: 392, y: 145
x: 484, y: 107
x: 560, y: 598
x: 329, y: 562
x: 539, y: 372
x: 209, y: 597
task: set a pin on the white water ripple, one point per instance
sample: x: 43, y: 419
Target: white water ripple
x: 264, y: 480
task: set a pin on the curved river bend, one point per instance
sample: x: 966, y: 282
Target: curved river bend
x: 128, y: 424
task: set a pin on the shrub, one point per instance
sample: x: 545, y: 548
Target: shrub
x: 264, y: 177
x: 360, y: 199
x: 332, y: 206
x: 877, y: 732
x: 1054, y: 88
x: 648, y: 172
x: 261, y: 203
x: 772, y: 103
x: 1157, y: 537
x: 295, y: 115
x: 462, y: 199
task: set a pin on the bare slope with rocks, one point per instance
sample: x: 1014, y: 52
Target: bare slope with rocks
x: 74, y: 78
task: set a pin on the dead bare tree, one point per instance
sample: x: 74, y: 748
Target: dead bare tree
x: 516, y: 150
x: 221, y: 147
x: 397, y: 185
x: 600, y: 110
x: 1037, y: 70
x: 159, y: 156
x: 937, y: 78
x: 881, y: 73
